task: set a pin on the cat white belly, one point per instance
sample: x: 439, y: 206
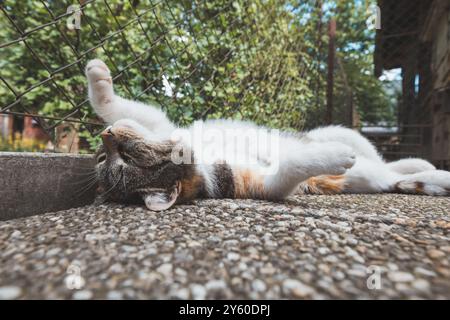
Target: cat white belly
x: 236, y: 143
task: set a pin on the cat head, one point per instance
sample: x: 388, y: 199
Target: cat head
x: 131, y: 169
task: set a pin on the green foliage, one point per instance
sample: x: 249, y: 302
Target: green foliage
x: 262, y: 60
x: 21, y: 144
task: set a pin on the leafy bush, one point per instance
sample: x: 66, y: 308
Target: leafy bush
x: 21, y: 144
x: 262, y: 60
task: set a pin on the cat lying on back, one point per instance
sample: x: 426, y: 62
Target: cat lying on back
x: 136, y: 161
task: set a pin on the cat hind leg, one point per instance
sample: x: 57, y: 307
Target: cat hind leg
x: 409, y: 166
x: 319, y: 162
x: 366, y: 176
x: 432, y: 183
x: 323, y: 185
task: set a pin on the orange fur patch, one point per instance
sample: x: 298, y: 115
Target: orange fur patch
x: 324, y: 185
x: 420, y: 188
x: 190, y: 187
x: 247, y: 184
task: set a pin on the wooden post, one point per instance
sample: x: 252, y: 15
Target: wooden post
x: 330, y: 81
x: 318, y: 57
x: 350, y: 120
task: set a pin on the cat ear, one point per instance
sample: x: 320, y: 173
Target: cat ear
x: 159, y: 201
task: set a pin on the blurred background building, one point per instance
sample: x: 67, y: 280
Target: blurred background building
x: 415, y: 38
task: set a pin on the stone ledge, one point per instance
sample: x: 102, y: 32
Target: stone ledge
x: 35, y: 183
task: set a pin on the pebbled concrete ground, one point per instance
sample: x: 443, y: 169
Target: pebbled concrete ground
x: 316, y: 247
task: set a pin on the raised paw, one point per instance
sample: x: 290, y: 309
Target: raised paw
x: 101, y: 92
x: 97, y: 71
x: 338, y: 158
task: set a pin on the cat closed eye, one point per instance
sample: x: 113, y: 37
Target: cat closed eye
x: 126, y: 157
x: 101, y: 158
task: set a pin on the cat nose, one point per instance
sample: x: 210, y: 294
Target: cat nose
x: 107, y: 137
x: 107, y: 132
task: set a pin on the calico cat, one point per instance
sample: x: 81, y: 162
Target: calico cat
x: 146, y: 158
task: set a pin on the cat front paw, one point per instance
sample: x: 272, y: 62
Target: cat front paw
x: 97, y: 71
x: 338, y: 158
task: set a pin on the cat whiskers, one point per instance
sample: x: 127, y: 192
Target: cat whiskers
x: 85, y: 177
x: 103, y: 195
x: 88, y: 179
x: 87, y: 185
x: 123, y: 180
x: 84, y: 171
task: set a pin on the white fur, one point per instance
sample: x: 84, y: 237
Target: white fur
x: 360, y: 145
x: 411, y: 165
x: 371, y: 174
x: 324, y: 151
x: 208, y: 176
x: 295, y: 159
x: 112, y: 108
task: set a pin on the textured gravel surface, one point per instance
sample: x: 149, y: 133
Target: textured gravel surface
x: 307, y: 247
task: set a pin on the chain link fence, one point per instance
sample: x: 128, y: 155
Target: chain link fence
x: 196, y: 59
x: 268, y: 61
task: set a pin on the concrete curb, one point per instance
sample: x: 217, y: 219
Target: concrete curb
x: 34, y: 183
